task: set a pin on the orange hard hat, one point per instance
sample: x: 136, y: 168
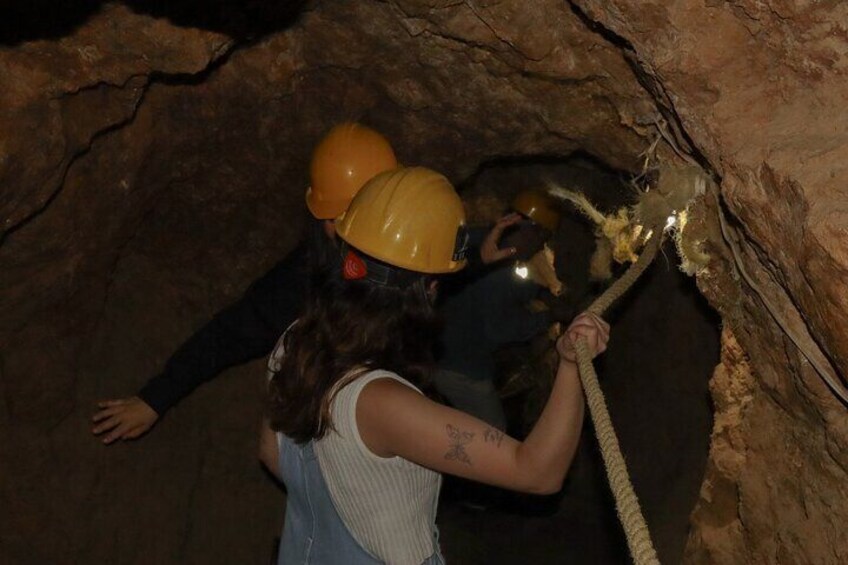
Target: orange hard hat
x: 343, y: 161
x: 410, y: 217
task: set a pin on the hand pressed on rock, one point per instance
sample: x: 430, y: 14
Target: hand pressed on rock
x: 587, y: 325
x: 124, y: 418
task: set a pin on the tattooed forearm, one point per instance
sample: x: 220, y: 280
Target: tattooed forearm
x: 493, y: 435
x: 458, y: 441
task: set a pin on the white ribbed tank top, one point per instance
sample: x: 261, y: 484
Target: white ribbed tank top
x: 387, y: 504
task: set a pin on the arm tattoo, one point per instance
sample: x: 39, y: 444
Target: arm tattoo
x: 458, y: 440
x: 492, y: 435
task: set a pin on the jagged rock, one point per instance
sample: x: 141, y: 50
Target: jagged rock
x: 153, y: 163
x: 759, y: 89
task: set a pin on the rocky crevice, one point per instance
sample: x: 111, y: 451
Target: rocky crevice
x: 73, y: 91
x: 20, y: 213
x: 149, y: 159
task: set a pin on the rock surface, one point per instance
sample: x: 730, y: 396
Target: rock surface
x: 152, y: 164
x: 758, y: 88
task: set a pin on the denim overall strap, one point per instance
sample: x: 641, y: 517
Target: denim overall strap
x: 313, y: 533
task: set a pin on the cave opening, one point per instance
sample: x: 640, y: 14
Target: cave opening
x: 655, y: 377
x: 152, y: 164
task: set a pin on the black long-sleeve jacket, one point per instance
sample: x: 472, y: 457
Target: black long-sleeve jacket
x: 243, y: 331
x: 483, y: 311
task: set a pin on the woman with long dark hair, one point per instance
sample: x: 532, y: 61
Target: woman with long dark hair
x: 358, y: 445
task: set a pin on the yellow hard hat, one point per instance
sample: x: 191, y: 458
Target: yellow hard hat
x: 410, y: 217
x: 343, y: 161
x: 539, y: 207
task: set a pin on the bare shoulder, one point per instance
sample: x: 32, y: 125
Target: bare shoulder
x: 385, y: 408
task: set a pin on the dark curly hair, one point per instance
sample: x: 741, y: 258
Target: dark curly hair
x: 349, y: 327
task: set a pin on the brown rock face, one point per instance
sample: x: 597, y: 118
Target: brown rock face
x: 152, y: 163
x: 757, y: 90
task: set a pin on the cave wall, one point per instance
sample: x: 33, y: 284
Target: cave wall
x: 758, y: 88
x: 152, y: 165
x: 159, y: 168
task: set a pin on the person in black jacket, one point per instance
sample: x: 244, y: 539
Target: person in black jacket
x: 488, y: 308
x: 348, y: 156
x: 249, y: 328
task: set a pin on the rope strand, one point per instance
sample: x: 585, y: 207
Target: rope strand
x: 626, y: 502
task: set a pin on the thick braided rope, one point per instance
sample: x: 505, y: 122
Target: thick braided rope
x: 626, y: 503
x: 619, y: 287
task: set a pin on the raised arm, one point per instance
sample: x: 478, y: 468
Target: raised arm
x: 490, y: 250
x: 395, y: 420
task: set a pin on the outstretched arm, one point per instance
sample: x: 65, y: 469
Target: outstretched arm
x: 243, y: 331
x: 395, y: 420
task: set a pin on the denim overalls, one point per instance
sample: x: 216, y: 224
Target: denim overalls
x: 313, y: 533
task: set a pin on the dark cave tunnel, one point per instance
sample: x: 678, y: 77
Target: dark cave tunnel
x: 176, y: 265
x: 655, y: 377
